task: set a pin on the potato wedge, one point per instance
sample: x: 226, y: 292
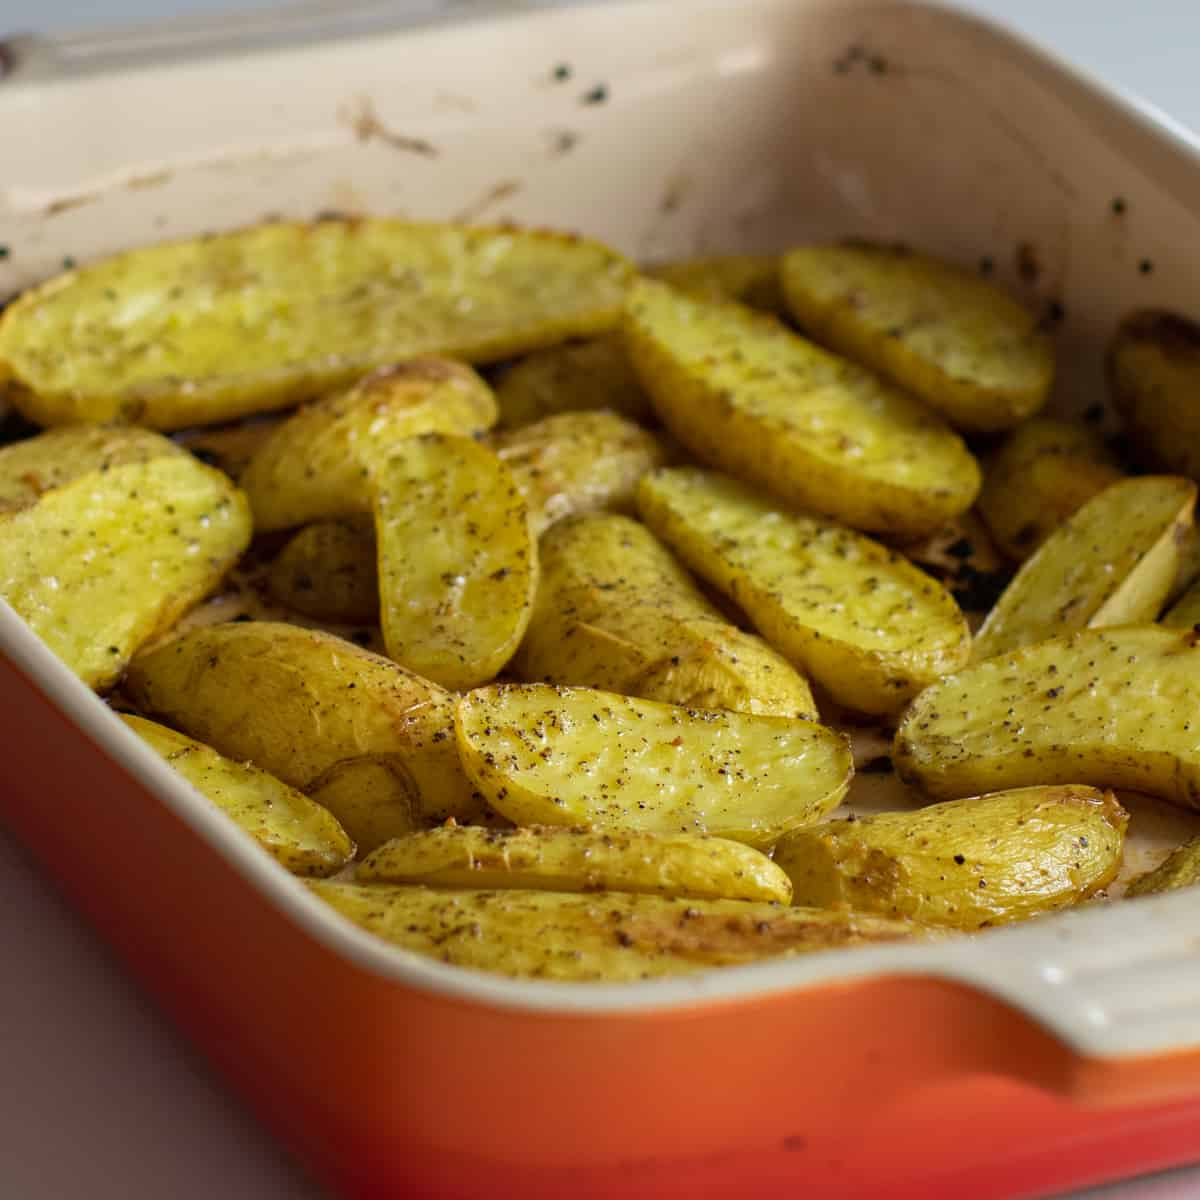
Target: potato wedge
x: 1185, y: 612
x: 296, y: 701
x: 99, y: 566
x: 556, y: 859
x: 229, y: 448
x: 614, y: 610
x: 1112, y: 563
x: 1154, y: 377
x: 312, y: 467
x: 328, y: 571
x: 1180, y: 869
x: 543, y: 755
x: 1108, y: 707
x: 375, y: 798
x: 987, y: 860
x: 859, y: 619
x: 202, y: 331
x: 576, y: 377
x: 959, y: 342
x: 604, y: 937
x: 745, y: 394
x: 578, y: 462
x: 298, y: 834
x: 39, y: 464
x: 752, y: 279
x: 458, y: 566
x: 1045, y: 471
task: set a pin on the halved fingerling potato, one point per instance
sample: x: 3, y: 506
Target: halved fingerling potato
x: 312, y: 467
x: 374, y: 797
x: 1108, y: 707
x: 457, y: 555
x: 296, y: 701
x: 559, y: 859
x: 1180, y: 869
x: 543, y: 755
x: 229, y: 448
x: 328, y: 570
x: 101, y: 565
x: 861, y: 620
x: 299, y: 834
x: 752, y: 279
x: 746, y: 395
x: 986, y: 860
x: 1112, y: 563
x: 261, y: 318
x: 959, y: 342
x: 606, y: 936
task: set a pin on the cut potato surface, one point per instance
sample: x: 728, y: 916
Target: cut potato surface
x: 196, y: 332
x: 328, y: 571
x: 314, y: 465
x: 959, y: 342
x: 457, y: 559
x: 375, y: 798
x: 102, y: 564
x: 543, y: 755
x: 1113, y: 708
x: 1112, y: 563
x: 300, y: 835
x: 745, y: 394
x: 968, y: 863
x: 606, y: 937
x: 556, y: 859
x: 860, y: 619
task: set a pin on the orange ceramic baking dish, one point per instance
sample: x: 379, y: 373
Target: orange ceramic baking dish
x: 1034, y: 1059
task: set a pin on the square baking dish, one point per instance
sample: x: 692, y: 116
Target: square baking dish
x: 1033, y: 1059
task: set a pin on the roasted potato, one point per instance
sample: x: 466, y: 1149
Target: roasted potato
x: 1042, y: 474
x: 609, y: 936
x: 578, y: 462
x: 614, y: 610
x: 1112, y: 563
x: 296, y: 701
x: 556, y: 859
x: 957, y: 341
x: 543, y: 755
x: 328, y: 571
x: 1108, y: 707
x: 969, y: 863
x: 1154, y: 376
x: 745, y: 394
x: 313, y: 466
x: 861, y: 620
x: 576, y: 377
x: 752, y: 279
x: 963, y: 556
x: 375, y: 798
x: 1180, y: 869
x: 197, y: 332
x: 298, y: 834
x: 229, y: 448
x: 101, y: 565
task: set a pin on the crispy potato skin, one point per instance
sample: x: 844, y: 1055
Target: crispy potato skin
x: 101, y: 565
x: 603, y: 937
x: 1112, y: 563
x: 263, y: 317
x: 1108, y: 707
x: 576, y: 756
x: 746, y: 395
x: 277, y: 695
x: 961, y: 343
x: 1045, y: 471
x: 752, y: 279
x: 1154, y: 375
x: 1180, y: 869
x: 859, y: 619
x: 614, y: 610
x: 375, y: 798
x: 298, y: 834
x: 314, y: 466
x: 558, y: 859
x: 987, y: 860
x: 328, y: 571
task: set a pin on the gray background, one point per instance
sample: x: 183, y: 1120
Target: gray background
x: 101, y: 1100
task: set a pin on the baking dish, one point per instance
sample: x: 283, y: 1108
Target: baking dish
x: 1036, y: 1058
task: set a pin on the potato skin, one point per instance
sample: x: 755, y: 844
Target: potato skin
x: 374, y: 797
x: 1180, y: 869
x: 746, y: 395
x: 959, y: 342
x: 601, y: 937
x: 986, y: 860
x: 752, y: 279
x: 279, y: 696
x: 328, y: 571
x: 1112, y: 708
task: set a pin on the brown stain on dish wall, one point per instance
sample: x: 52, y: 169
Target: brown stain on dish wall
x: 362, y: 118
x: 497, y: 192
